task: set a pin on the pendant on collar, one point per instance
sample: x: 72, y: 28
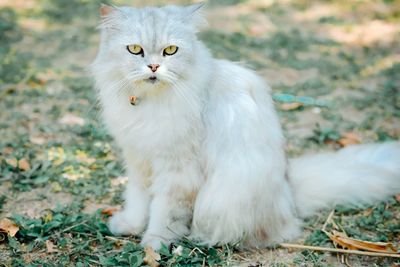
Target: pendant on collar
x: 133, y: 99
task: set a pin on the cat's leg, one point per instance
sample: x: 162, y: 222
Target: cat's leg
x: 174, y: 191
x: 246, y: 197
x: 132, y: 219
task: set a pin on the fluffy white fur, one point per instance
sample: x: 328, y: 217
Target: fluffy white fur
x: 203, y: 147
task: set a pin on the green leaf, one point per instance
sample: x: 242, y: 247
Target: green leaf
x: 305, y: 100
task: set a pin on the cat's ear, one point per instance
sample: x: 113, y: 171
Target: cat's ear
x: 106, y: 10
x: 192, y: 9
x: 109, y: 17
x: 195, y: 15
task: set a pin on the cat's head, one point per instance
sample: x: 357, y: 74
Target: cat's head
x: 149, y: 46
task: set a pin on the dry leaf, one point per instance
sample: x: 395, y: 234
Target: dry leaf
x: 47, y: 216
x: 37, y: 140
x: 152, y: 258
x: 24, y: 165
x: 8, y: 150
x: 349, y: 138
x: 2, y: 236
x: 12, y: 162
x: 356, y: 244
x: 71, y: 119
x: 109, y: 211
x: 50, y: 247
x: 56, y: 187
x: 291, y: 106
x: 35, y: 84
x: 8, y: 226
x: 121, y: 180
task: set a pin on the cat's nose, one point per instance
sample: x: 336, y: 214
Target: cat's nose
x: 153, y: 67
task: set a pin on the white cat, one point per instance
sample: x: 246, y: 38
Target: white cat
x: 202, y: 143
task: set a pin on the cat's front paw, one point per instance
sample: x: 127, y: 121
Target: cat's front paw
x: 124, y: 223
x: 154, y: 241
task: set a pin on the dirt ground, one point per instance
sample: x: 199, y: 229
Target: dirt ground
x: 56, y: 157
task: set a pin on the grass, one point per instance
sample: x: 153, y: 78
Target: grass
x: 73, y: 167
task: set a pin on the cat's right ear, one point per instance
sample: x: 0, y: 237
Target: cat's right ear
x: 195, y: 14
x: 106, y: 10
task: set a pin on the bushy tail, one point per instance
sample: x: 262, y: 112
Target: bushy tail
x: 359, y: 174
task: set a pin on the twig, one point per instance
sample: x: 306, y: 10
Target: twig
x: 110, y: 238
x: 72, y: 227
x: 194, y: 251
x: 328, y: 220
x: 338, y: 250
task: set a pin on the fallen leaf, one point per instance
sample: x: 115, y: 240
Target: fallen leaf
x: 13, y: 162
x: 356, y: 244
x: 2, y: 236
x: 121, y: 180
x: 8, y: 226
x: 152, y: 258
x: 35, y: 84
x: 8, y: 150
x: 24, y: 165
x: 47, y: 216
x: 291, y: 106
x: 37, y: 140
x: 71, y: 119
x: 349, y: 138
x: 50, y: 247
x: 109, y: 211
x: 56, y: 187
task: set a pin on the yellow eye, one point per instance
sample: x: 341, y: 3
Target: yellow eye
x: 135, y: 49
x: 170, y: 50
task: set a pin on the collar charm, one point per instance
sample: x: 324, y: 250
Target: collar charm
x: 133, y: 100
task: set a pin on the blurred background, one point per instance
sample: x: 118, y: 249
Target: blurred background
x: 334, y: 67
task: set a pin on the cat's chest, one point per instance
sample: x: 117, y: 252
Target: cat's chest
x: 152, y: 126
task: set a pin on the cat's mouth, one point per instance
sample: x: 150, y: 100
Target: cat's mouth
x: 152, y: 79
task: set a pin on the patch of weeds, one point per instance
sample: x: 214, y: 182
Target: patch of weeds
x: 233, y: 46
x: 187, y: 253
x: 384, y: 136
x: 317, y: 238
x: 378, y: 223
x: 9, y: 29
x: 350, y: 66
x: 331, y: 20
x: 72, y: 238
x: 292, y: 41
x: 92, y: 132
x: 387, y: 97
x: 324, y: 135
x: 80, y: 86
x: 313, y: 87
x: 25, y: 180
x: 3, y: 200
x: 85, y: 172
x: 38, y: 173
x: 309, y: 258
x: 381, y: 221
x: 66, y: 10
x: 14, y: 63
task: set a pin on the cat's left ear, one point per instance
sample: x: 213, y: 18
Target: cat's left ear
x: 196, y: 16
x: 106, y: 10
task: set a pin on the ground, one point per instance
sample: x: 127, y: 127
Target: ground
x: 59, y: 168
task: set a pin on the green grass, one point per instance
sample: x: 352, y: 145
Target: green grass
x: 75, y: 169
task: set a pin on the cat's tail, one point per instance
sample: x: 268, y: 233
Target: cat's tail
x: 356, y: 175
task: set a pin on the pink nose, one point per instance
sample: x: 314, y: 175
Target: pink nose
x: 153, y: 67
